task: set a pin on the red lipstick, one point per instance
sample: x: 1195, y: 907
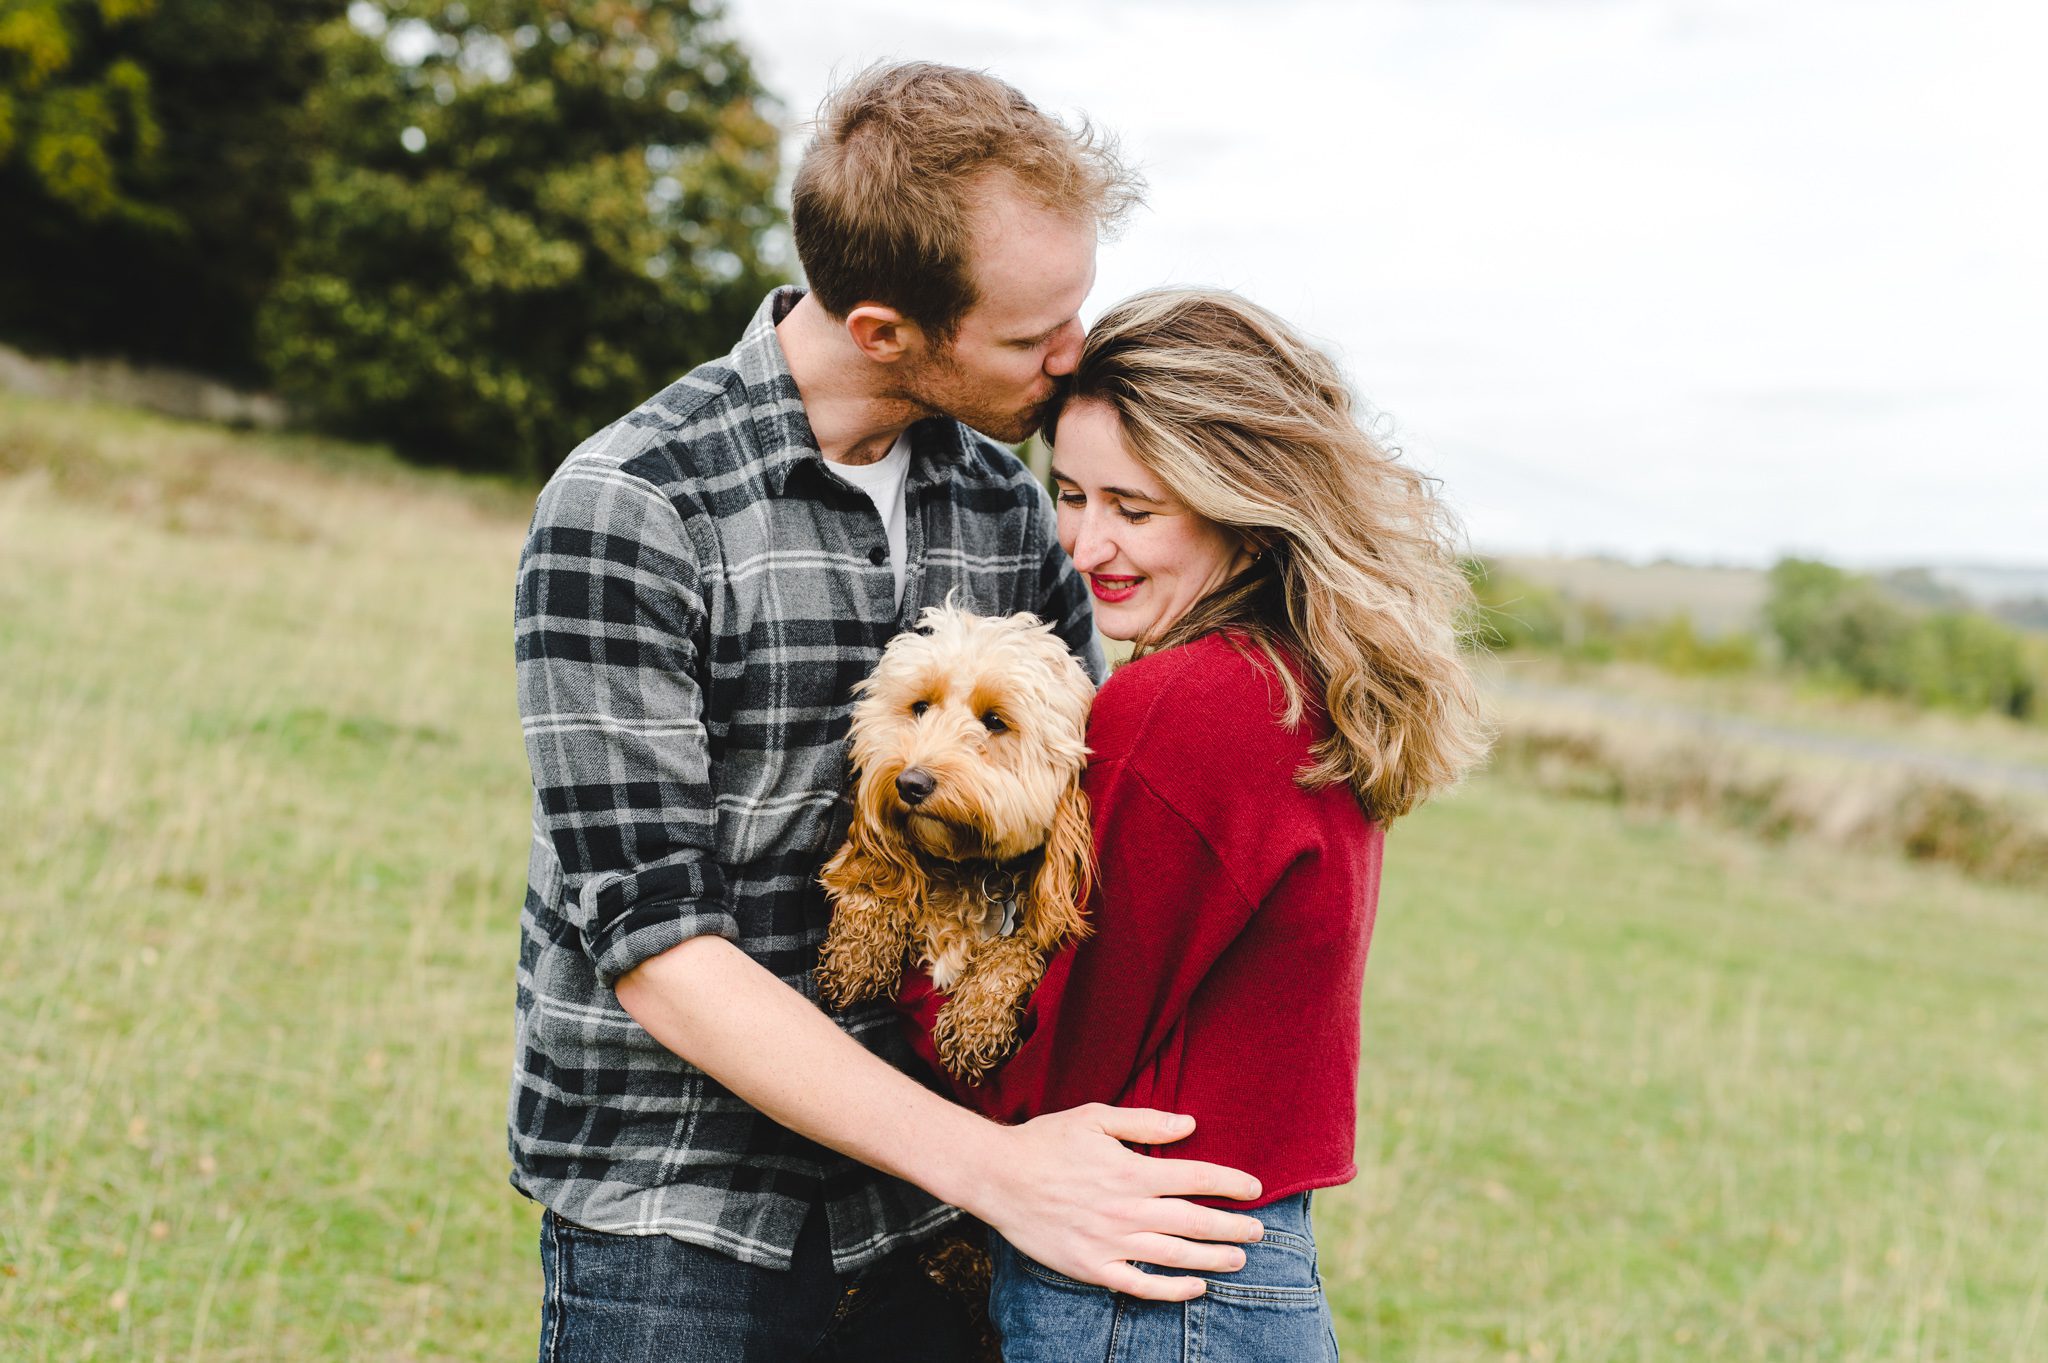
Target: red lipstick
x: 1113, y: 589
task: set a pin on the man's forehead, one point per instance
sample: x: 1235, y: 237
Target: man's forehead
x: 1033, y: 268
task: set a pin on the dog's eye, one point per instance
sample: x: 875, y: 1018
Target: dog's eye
x: 993, y: 722
x: 918, y: 707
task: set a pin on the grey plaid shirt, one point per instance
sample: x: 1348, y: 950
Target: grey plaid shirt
x: 698, y: 594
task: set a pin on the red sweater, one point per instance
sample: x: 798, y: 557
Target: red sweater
x: 1231, y: 918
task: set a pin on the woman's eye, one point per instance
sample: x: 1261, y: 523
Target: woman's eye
x: 993, y: 722
x: 918, y: 707
x: 1134, y: 517
x: 1072, y: 499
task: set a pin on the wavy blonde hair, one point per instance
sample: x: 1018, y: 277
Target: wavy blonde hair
x: 1357, y: 575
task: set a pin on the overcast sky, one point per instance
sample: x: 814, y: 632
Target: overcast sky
x: 1718, y: 279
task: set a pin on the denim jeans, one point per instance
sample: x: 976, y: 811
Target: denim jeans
x: 1271, y: 1309
x: 639, y: 1298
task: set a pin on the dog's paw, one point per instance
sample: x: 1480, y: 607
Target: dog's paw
x: 841, y: 986
x: 976, y: 1031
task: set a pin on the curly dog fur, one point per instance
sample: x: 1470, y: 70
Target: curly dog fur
x: 970, y: 845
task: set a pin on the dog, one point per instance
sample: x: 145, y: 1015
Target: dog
x: 970, y: 846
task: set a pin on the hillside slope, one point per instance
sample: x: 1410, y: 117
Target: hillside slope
x: 1633, y: 1089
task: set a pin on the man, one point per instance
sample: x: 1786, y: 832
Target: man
x: 730, y: 1173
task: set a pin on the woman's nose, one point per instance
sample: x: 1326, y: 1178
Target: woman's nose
x: 1092, y: 547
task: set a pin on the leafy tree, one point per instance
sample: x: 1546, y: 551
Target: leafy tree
x: 524, y: 217
x: 147, y: 157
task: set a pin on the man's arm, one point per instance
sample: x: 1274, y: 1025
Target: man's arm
x: 1062, y: 1188
x: 607, y: 611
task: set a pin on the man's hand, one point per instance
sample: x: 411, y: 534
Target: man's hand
x: 1065, y: 1191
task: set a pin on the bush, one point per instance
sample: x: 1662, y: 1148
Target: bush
x: 1843, y: 627
x: 1925, y: 818
x: 1674, y: 645
x: 523, y: 219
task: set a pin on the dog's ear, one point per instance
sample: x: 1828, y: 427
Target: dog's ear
x: 876, y: 860
x: 876, y: 885
x: 1057, y: 907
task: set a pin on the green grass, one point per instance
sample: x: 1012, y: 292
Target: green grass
x: 1633, y: 1090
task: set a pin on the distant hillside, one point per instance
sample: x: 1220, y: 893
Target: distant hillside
x: 2019, y: 596
x: 1725, y: 600
x: 1719, y: 600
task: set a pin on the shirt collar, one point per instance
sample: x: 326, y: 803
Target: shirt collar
x: 782, y: 433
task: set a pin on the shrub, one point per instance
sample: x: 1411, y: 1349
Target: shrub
x: 1921, y: 817
x: 1843, y: 627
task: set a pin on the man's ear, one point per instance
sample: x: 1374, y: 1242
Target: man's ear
x: 883, y: 334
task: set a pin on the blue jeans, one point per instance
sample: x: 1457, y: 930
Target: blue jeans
x: 1271, y: 1309
x: 641, y: 1298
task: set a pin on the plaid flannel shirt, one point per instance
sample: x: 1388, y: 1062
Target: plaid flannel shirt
x: 698, y: 594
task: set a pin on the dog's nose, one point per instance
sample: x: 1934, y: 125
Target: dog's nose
x: 915, y: 785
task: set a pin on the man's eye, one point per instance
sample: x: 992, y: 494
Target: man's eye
x: 918, y: 707
x: 993, y: 722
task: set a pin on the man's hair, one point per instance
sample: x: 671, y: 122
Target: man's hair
x: 885, y: 196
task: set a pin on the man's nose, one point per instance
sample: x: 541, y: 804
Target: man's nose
x: 1063, y: 356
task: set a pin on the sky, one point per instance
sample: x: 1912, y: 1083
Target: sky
x: 1712, y: 279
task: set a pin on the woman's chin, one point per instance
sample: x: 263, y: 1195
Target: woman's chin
x: 1120, y: 625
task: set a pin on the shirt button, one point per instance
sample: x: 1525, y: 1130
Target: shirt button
x: 879, y: 555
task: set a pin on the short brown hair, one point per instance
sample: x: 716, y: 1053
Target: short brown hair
x: 883, y: 203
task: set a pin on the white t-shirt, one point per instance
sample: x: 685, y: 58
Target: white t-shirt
x: 883, y: 482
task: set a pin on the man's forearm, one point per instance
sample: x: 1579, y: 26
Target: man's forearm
x: 1062, y: 1188
x: 719, y: 1009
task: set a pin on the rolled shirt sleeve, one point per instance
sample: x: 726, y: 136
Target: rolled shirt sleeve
x: 609, y: 624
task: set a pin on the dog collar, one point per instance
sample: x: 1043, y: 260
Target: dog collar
x: 1002, y: 882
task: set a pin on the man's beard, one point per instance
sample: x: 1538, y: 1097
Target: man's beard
x: 940, y: 387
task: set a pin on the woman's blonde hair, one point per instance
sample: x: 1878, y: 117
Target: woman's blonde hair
x: 1357, y: 574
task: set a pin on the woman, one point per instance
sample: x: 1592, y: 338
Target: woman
x: 1293, y: 598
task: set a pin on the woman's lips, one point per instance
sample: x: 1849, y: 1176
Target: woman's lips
x: 1113, y: 589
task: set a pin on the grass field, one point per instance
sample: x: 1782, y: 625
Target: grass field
x: 1633, y: 1090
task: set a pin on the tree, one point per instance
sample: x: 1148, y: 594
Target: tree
x: 148, y: 153
x: 525, y: 216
